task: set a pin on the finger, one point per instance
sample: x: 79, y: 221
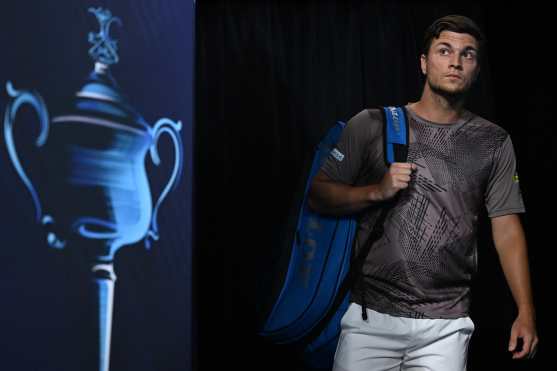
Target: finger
x: 402, y: 178
x: 512, y: 342
x: 405, y: 171
x: 520, y: 354
x: 535, y: 345
x: 528, y: 346
x: 534, y: 349
x: 527, y: 342
x: 403, y: 165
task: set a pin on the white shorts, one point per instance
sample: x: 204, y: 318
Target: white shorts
x: 386, y: 342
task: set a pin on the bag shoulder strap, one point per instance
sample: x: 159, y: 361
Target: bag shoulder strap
x: 396, y: 133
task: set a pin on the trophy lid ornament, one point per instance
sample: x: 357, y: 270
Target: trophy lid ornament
x: 100, y: 95
x: 104, y: 50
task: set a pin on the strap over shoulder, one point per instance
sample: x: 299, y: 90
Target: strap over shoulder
x: 396, y: 134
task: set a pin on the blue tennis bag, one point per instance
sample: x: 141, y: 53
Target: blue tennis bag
x: 315, y: 291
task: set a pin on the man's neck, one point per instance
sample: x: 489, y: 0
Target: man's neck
x: 437, y: 108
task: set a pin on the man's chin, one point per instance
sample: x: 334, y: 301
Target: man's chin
x: 453, y: 94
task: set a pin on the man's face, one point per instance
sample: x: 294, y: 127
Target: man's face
x: 452, y: 63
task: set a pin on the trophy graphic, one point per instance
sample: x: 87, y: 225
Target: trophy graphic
x: 94, y: 153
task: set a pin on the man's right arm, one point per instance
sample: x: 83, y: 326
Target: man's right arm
x: 327, y: 196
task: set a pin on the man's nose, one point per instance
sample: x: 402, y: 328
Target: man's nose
x: 456, y: 61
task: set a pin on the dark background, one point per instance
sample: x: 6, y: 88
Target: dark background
x: 45, y: 48
x: 272, y: 76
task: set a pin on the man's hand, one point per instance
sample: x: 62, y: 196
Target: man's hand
x: 395, y: 179
x: 334, y: 198
x: 524, y: 327
x: 510, y: 243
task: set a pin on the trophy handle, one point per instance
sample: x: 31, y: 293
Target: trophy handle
x: 172, y: 128
x: 21, y: 97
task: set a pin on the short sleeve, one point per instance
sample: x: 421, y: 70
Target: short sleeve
x: 503, y: 195
x: 345, y: 160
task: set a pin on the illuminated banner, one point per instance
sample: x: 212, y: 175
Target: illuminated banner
x: 97, y: 174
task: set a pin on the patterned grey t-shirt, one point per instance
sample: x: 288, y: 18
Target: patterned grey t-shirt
x: 423, y: 264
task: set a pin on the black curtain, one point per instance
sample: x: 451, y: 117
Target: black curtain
x: 271, y: 78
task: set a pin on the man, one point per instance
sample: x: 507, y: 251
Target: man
x: 409, y: 309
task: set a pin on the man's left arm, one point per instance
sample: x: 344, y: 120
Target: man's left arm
x: 510, y: 242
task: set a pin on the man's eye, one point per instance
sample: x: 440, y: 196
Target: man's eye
x: 470, y: 55
x: 443, y: 51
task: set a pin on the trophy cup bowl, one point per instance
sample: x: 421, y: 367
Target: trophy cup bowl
x: 99, y: 165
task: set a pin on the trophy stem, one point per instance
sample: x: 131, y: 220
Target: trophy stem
x: 103, y: 279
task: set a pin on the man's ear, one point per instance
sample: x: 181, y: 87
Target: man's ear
x: 423, y: 64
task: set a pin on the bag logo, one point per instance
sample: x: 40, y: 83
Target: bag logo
x: 396, y: 118
x: 337, y: 155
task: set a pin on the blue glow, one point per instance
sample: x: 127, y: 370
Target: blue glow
x: 101, y: 106
x: 52, y: 238
x: 98, y: 188
x: 104, y: 279
x: 36, y: 101
x: 104, y: 49
x: 117, y: 172
x: 170, y: 127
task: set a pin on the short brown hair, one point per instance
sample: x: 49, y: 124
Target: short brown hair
x: 454, y: 23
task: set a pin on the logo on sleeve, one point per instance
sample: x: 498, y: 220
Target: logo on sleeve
x: 515, y: 177
x: 337, y: 155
